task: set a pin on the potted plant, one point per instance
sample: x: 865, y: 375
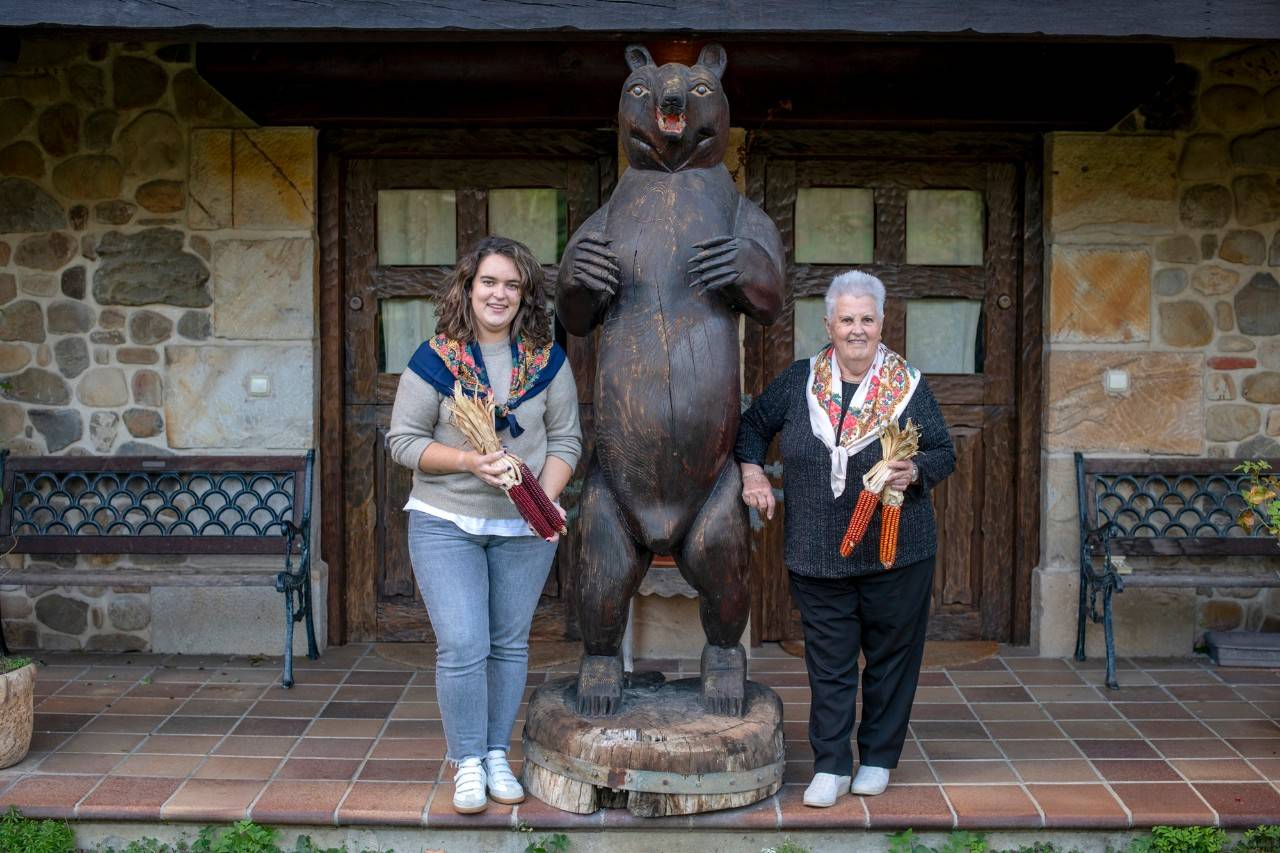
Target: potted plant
x: 17, y: 708
x: 1261, y: 491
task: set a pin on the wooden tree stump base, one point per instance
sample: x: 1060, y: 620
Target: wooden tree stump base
x: 662, y: 755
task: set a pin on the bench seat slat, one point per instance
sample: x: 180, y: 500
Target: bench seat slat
x: 1221, y: 581
x: 86, y: 544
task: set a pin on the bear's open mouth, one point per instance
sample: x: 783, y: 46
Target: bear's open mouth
x: 671, y: 124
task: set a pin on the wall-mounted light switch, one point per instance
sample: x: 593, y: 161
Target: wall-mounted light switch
x: 259, y: 385
x: 1116, y: 382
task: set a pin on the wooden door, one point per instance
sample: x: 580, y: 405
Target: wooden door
x: 404, y: 220
x: 944, y: 234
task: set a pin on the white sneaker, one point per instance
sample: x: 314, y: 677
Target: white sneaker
x: 503, y: 785
x: 870, y: 781
x: 824, y: 789
x: 468, y: 787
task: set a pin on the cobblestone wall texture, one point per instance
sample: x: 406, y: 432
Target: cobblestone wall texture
x: 156, y: 249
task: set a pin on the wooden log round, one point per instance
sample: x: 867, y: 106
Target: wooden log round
x: 661, y: 755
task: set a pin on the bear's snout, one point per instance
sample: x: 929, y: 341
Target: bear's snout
x: 672, y: 102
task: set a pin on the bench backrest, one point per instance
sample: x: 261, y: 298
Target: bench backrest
x: 156, y: 504
x: 1168, y: 506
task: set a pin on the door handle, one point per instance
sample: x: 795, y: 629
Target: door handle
x: 1003, y: 302
x: 356, y: 303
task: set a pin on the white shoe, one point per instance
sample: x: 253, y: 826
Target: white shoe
x: 468, y: 787
x: 824, y: 789
x: 503, y: 785
x: 870, y: 781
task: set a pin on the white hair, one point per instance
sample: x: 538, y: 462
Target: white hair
x: 855, y: 283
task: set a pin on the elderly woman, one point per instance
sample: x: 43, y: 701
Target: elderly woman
x: 479, y: 565
x: 830, y: 410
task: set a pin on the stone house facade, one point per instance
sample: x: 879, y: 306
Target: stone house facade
x: 158, y: 249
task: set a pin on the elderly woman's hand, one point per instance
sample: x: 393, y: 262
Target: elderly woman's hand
x: 757, y: 491
x: 904, y: 474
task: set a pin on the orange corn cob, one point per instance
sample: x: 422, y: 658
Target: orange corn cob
x: 858, y: 522
x: 889, y: 534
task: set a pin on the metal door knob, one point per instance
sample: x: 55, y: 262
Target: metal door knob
x: 1004, y: 301
x: 356, y: 303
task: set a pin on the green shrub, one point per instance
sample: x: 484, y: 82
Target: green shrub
x: 35, y: 836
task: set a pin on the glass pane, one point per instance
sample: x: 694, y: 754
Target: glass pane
x: 835, y: 225
x: 944, y: 227
x: 405, y: 323
x: 417, y: 227
x: 945, y: 335
x: 538, y: 218
x: 811, y: 330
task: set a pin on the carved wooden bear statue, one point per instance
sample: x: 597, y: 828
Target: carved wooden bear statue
x: 664, y: 268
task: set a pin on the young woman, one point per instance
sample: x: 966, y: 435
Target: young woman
x: 478, y: 564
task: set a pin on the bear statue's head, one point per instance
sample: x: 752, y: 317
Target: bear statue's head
x: 676, y: 116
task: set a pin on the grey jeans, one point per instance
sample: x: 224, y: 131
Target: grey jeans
x: 481, y: 592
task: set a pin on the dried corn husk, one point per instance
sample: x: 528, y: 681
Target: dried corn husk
x: 473, y: 416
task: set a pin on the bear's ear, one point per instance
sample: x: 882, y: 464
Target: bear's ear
x: 638, y: 56
x: 714, y: 59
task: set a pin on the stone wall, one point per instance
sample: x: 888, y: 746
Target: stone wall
x: 1162, y: 260
x: 156, y: 250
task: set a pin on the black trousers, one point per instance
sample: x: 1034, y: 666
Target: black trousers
x: 883, y: 615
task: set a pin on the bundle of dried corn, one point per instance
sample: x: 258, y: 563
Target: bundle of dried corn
x: 473, y: 416
x: 897, y: 444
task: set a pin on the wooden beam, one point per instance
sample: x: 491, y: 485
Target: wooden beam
x: 1181, y: 19
x: 774, y: 84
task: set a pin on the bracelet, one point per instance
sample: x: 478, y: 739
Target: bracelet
x: 755, y: 474
x: 915, y: 473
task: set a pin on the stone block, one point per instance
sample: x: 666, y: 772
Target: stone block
x: 103, y: 429
x: 1171, y: 281
x: 209, y: 186
x: 89, y: 176
x: 15, y: 115
x: 13, y: 357
x: 262, y: 289
x: 1147, y: 621
x: 103, y: 388
x: 63, y: 614
x: 60, y: 428
x: 58, y: 130
x: 1205, y: 206
x: 1219, y: 387
x: 38, y: 284
x: 72, y: 356
x: 34, y: 385
x: 668, y: 628
x: 207, y: 404
x: 149, y: 267
x: 161, y: 196
x: 151, y: 144
x: 22, y: 321
x: 1258, y: 447
x: 137, y: 82
x: 1243, y: 247
x: 1178, y: 249
x: 149, y: 327
x: 1231, y: 107
x: 1257, y: 199
x: 1257, y: 306
x: 1222, y: 362
x: 1105, y: 181
x: 274, y: 171
x: 1224, y: 316
x: 86, y: 85
x: 1204, y: 157
x: 250, y: 620
x: 200, y: 105
x: 1161, y: 414
x: 1231, y: 422
x: 1061, y: 543
x: 1257, y: 64
x: 1099, y: 295
x: 1261, y: 149
x: 1185, y: 324
x: 100, y: 129
x: 1262, y: 387
x: 1273, y: 422
x: 22, y: 159
x: 26, y: 208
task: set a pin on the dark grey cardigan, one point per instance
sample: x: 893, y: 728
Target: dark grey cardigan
x: 814, y: 521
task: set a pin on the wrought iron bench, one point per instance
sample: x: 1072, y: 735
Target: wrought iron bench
x: 232, y: 505
x: 1160, y: 508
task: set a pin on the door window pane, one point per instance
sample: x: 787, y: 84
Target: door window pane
x: 539, y: 218
x: 417, y: 227
x: 835, y: 225
x: 404, y: 324
x: 944, y: 227
x: 944, y: 335
x: 811, y: 330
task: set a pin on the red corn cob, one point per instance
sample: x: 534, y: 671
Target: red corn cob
x: 858, y: 522
x: 534, y: 505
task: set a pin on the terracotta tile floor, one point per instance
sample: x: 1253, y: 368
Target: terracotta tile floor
x: 1008, y: 742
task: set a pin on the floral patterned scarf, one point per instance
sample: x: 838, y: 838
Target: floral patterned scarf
x: 441, y: 361
x: 882, y: 395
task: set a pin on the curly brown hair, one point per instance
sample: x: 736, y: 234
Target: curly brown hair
x: 531, y: 322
